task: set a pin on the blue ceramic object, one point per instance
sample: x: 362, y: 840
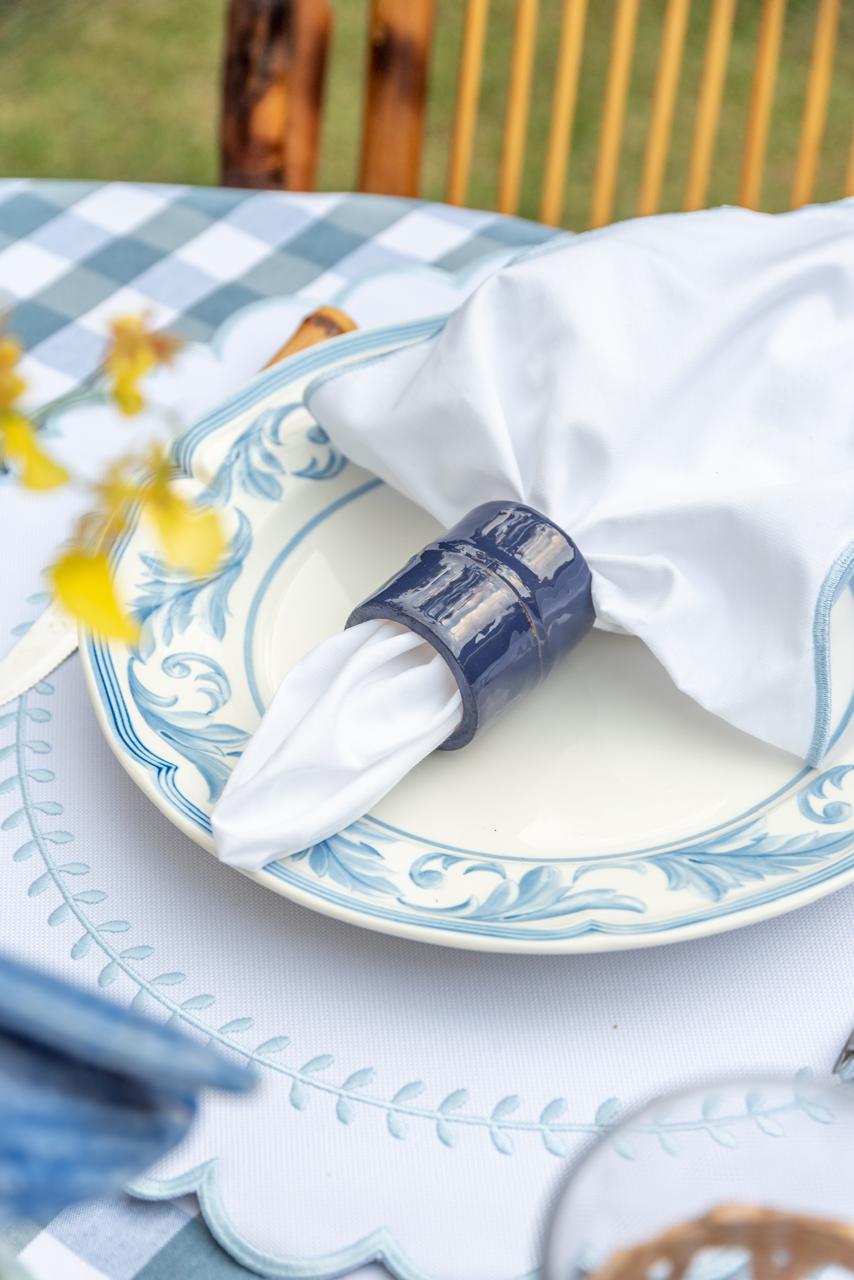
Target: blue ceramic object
x: 501, y: 595
x: 90, y: 1093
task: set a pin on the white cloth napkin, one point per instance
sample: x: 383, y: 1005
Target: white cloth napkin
x: 678, y: 394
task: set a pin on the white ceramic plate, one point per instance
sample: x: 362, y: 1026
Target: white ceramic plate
x: 605, y: 811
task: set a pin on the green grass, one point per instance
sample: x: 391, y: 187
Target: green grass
x: 129, y: 89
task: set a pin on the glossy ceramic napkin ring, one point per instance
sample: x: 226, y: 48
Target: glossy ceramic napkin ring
x: 501, y: 596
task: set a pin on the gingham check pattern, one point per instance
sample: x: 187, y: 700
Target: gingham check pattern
x: 122, y: 1239
x: 73, y: 254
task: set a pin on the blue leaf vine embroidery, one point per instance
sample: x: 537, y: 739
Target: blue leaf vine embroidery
x: 450, y: 1117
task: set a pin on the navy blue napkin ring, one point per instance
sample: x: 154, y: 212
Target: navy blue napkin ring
x: 501, y: 596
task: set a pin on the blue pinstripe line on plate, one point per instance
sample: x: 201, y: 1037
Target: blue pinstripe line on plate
x: 297, y: 366
x: 841, y: 572
x: 637, y: 928
x: 272, y: 570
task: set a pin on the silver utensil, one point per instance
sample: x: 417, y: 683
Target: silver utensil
x: 843, y: 1066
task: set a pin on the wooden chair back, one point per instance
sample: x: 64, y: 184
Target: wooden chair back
x: 274, y: 80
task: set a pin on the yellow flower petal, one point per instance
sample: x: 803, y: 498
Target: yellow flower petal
x: 20, y: 448
x: 191, y: 536
x: 127, y: 395
x: 12, y: 385
x: 83, y: 585
x: 10, y: 352
x: 133, y: 352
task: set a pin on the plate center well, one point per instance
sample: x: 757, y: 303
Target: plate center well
x: 606, y: 755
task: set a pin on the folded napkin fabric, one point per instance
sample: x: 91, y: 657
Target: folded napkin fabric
x: 382, y: 696
x: 677, y: 394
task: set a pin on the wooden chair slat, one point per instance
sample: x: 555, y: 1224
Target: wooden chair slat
x: 564, y: 100
x: 401, y: 37
x: 273, y: 92
x: 307, y: 82
x: 614, y: 112
x: 518, y: 105
x: 468, y: 94
x: 709, y: 103
x: 663, y: 105
x: 274, y: 81
x: 815, y: 105
x: 761, y: 102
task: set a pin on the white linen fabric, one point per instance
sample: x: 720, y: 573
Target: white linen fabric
x: 383, y: 696
x: 676, y: 392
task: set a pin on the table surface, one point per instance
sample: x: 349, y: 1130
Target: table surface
x: 71, y: 255
x: 773, y: 997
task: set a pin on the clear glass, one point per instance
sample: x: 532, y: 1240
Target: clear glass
x: 734, y: 1181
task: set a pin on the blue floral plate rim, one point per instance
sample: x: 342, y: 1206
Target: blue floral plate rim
x: 447, y: 894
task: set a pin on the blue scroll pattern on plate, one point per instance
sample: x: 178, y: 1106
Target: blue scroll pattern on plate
x: 364, y: 860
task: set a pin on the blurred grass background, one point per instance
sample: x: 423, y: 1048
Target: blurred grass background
x: 130, y: 90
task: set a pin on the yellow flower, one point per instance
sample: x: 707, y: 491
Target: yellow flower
x: 191, y: 536
x: 12, y: 385
x: 20, y: 448
x: 133, y: 352
x: 116, y: 491
x: 83, y: 585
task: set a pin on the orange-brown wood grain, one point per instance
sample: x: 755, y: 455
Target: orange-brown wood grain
x: 663, y: 105
x: 308, y: 76
x: 614, y: 113
x: 564, y: 101
x: 761, y: 102
x: 319, y: 326
x: 399, y: 46
x: 275, y: 62
x: 815, y: 104
x: 465, y: 119
x: 274, y: 79
x: 468, y: 94
x: 709, y: 103
x: 518, y: 105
